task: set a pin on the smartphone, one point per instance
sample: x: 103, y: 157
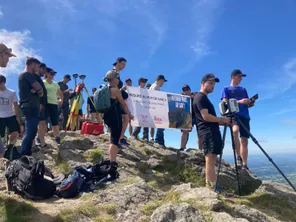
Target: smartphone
x: 255, y: 97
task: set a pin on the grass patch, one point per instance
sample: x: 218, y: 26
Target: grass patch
x: 153, y: 183
x: 147, y: 150
x: 180, y: 173
x: 95, y: 212
x: 130, y: 180
x: 278, y: 207
x: 65, y: 168
x: 15, y: 211
x: 94, y: 155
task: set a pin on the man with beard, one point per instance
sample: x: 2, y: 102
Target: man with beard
x: 208, y: 126
x: 30, y: 92
x: 5, y: 55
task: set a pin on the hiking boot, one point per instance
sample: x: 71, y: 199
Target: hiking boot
x: 124, y: 142
x: 113, y: 172
x: 239, y: 162
x: 58, y: 140
x: 245, y: 167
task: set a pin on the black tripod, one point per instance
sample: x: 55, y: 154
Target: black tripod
x: 234, y: 155
x: 268, y: 157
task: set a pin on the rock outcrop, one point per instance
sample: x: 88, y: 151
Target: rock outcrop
x: 156, y: 184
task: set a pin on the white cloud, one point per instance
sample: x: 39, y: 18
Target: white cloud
x: 204, y: 14
x: 19, y: 41
x: 280, y: 82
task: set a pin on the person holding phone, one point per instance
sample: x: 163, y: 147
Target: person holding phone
x: 244, y: 102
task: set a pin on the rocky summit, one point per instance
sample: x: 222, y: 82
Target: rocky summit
x: 155, y: 184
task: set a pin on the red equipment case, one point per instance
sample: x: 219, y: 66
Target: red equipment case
x: 90, y: 128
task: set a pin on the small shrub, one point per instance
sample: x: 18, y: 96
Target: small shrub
x: 95, y: 155
x: 148, y: 151
x: 153, y: 183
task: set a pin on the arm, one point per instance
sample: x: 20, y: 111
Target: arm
x: 121, y: 101
x: 32, y: 80
x: 210, y: 118
x: 60, y: 94
x: 17, y: 111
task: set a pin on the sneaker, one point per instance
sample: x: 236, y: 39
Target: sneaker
x: 124, y: 142
x: 182, y: 149
x: 58, y: 140
x: 245, y: 167
x: 152, y: 141
x: 239, y: 161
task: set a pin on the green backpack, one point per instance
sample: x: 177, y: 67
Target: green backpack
x: 102, y: 100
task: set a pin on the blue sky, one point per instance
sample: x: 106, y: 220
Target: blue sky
x: 183, y: 41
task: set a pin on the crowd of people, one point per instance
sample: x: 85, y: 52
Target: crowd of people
x: 44, y: 100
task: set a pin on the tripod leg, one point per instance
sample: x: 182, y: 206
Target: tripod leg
x: 220, y: 158
x: 268, y: 157
x: 234, y: 154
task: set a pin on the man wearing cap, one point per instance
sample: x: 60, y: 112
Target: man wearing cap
x: 30, y: 92
x: 160, y: 80
x: 186, y: 90
x: 240, y: 94
x: 141, y: 82
x: 208, y: 126
x: 66, y: 92
x: 5, y: 54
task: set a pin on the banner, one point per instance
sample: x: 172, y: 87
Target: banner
x: 157, y: 109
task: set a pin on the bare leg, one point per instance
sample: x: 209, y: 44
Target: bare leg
x: 244, y: 150
x: 13, y: 137
x: 124, y: 125
x: 210, y: 168
x: 184, y: 139
x: 42, y: 131
x: 152, y: 133
x: 56, y: 130
x: 235, y: 129
x: 113, y: 150
x: 130, y: 128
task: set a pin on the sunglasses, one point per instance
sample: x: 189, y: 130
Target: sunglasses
x: 186, y: 89
x: 52, y: 74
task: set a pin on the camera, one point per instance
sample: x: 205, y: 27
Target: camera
x: 229, y: 108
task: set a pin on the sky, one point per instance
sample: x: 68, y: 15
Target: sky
x: 183, y: 40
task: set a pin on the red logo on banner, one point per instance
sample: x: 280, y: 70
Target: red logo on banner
x: 157, y: 120
x: 144, y: 118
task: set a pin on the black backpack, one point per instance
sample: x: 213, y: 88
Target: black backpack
x: 30, y: 178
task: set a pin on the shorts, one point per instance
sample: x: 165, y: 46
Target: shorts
x: 246, y: 123
x: 53, y: 114
x: 211, y: 142
x: 122, y: 111
x: 80, y: 112
x: 43, y: 113
x: 11, y: 123
x: 113, y: 120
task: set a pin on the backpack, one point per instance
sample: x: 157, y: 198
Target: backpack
x: 102, y: 170
x: 71, y: 186
x: 30, y: 179
x: 102, y: 100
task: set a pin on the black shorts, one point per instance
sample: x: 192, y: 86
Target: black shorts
x: 211, y: 142
x: 113, y: 120
x: 53, y: 114
x: 80, y: 112
x: 242, y: 131
x: 43, y: 113
x: 11, y: 123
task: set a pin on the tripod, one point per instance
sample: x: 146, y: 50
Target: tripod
x: 234, y: 155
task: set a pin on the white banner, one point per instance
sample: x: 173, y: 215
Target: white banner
x: 157, y: 109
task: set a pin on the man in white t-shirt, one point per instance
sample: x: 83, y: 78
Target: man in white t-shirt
x: 5, y: 55
x: 160, y: 80
x: 9, y: 112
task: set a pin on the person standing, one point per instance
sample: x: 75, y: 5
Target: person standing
x: 208, y: 126
x: 146, y: 129
x: 53, y: 90
x: 240, y: 94
x: 95, y: 117
x: 5, y: 55
x: 30, y: 92
x: 142, y: 83
x: 42, y: 127
x: 113, y: 118
x: 65, y: 108
x: 186, y: 90
x: 9, y: 114
x: 119, y: 65
x: 160, y: 80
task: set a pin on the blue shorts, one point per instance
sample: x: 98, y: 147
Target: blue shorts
x: 53, y: 114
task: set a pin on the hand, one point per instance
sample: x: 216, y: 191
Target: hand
x: 225, y: 120
x: 131, y: 116
x: 124, y: 88
x: 69, y: 90
x: 22, y: 129
x: 60, y: 103
x: 244, y: 101
x: 41, y: 107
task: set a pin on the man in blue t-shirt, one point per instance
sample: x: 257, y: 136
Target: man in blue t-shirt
x: 240, y: 94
